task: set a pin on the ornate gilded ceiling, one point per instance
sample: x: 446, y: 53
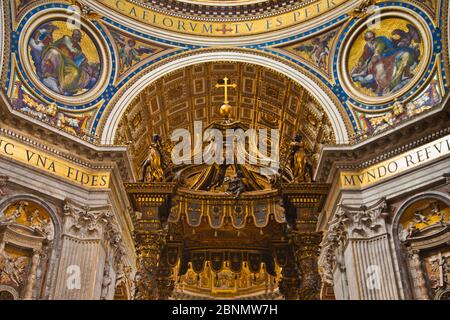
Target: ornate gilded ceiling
x: 262, y: 99
x: 126, y: 48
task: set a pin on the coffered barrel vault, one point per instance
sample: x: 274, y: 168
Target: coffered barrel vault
x: 353, y: 202
x: 263, y: 99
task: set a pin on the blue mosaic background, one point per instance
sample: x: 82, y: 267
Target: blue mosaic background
x: 267, y: 47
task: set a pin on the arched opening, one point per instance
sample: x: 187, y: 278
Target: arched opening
x: 322, y: 95
x: 263, y: 99
x: 226, y: 224
x: 27, y: 232
x: 422, y: 236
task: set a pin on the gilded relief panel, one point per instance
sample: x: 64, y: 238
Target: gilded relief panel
x: 26, y: 236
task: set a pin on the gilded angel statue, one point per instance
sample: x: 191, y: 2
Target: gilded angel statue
x: 152, y: 167
x: 299, y: 159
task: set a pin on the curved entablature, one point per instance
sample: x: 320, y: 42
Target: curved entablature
x: 214, y: 27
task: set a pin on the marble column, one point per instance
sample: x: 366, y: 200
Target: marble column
x: 357, y: 249
x: 90, y: 240
x: 420, y: 290
x: 35, y: 260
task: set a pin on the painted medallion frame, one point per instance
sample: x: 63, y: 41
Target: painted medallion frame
x: 85, y: 61
x: 367, y: 82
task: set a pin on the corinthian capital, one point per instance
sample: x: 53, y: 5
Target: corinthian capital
x: 350, y: 223
x: 86, y: 223
x: 364, y: 222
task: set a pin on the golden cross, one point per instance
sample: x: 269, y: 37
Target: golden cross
x: 226, y: 86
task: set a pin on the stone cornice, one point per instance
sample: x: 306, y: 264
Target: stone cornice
x: 412, y: 134
x: 57, y: 143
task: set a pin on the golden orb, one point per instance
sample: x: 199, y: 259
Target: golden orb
x: 225, y: 110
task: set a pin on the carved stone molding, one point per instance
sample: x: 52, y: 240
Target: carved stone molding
x: 87, y: 229
x: 364, y: 222
x: 86, y: 223
x: 350, y: 223
x: 3, y: 182
x: 447, y: 178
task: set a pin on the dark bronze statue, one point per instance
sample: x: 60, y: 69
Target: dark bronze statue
x: 152, y: 167
x: 300, y: 160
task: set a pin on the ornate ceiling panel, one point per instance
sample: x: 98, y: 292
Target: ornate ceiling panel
x: 262, y: 99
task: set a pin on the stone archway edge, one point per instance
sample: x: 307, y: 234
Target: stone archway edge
x: 330, y: 108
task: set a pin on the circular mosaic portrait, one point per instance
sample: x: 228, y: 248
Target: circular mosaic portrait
x: 385, y: 57
x: 65, y: 59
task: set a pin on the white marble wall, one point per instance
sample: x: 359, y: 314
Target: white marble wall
x: 88, y: 244
x: 359, y: 253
